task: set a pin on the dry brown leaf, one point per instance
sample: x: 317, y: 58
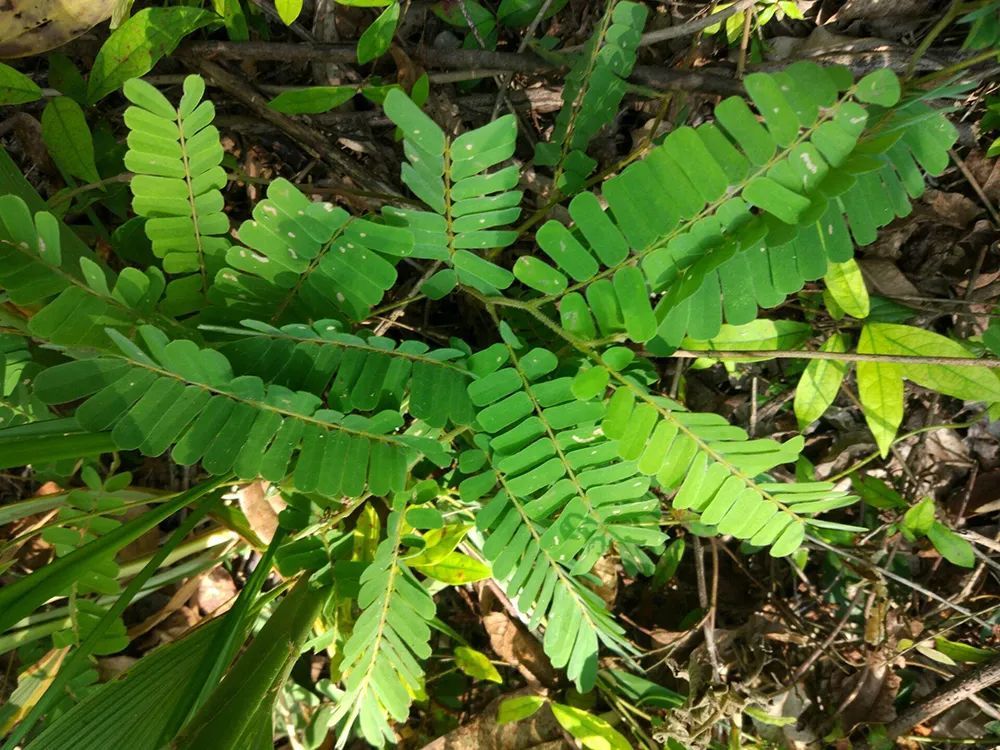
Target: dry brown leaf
x: 538, y: 732
x: 216, y: 591
x: 30, y: 27
x: 261, y: 508
x: 176, y: 602
x: 867, y: 10
x: 606, y: 571
x: 516, y: 646
x: 952, y: 209
x: 885, y: 278
x: 872, y: 692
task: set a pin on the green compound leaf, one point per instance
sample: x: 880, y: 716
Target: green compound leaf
x: 381, y: 660
x: 684, y: 216
x: 187, y: 397
x: 469, y: 205
x: 176, y: 156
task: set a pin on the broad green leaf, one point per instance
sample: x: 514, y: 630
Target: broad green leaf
x: 972, y: 383
x: 522, y: 12
x: 455, y: 569
x: 65, y: 77
x: 918, y: 519
x: 991, y: 337
x: 312, y: 100
x: 475, y: 664
x: 375, y: 41
x: 154, y: 687
x: 521, y: 707
x: 135, y: 47
x: 879, y: 87
x: 761, y: 334
x: 759, y: 714
x: 952, y: 547
x: 643, y: 692
x: 962, y: 652
x: 424, y: 518
x: 847, y: 286
x: 225, y: 719
x: 593, y: 732
x: 820, y: 381
x: 288, y: 10
x: 67, y: 136
x: 876, y: 493
x: 880, y: 388
x: 17, y: 88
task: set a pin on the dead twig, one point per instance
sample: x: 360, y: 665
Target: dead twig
x: 313, y: 141
x: 951, y: 693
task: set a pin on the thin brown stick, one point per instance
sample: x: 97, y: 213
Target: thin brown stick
x: 838, y: 356
x: 486, y: 61
x: 708, y: 621
x: 951, y: 693
x: 314, y: 142
x: 828, y: 641
x: 693, y: 27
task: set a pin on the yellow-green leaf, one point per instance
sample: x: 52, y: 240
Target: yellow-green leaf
x: 968, y: 382
x: 918, y: 519
x: 847, y: 286
x: 593, y: 732
x: 880, y: 387
x: 756, y: 335
x: 455, y: 568
x: 820, y: 382
x: 439, y: 543
x: 288, y: 10
x: 521, y: 707
x: 476, y: 664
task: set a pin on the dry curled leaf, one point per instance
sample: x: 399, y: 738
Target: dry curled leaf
x: 519, y: 648
x: 30, y: 27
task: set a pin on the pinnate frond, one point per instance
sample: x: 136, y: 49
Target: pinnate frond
x: 469, y: 205
x: 381, y: 660
x: 734, y: 215
x: 183, y: 396
x: 304, y: 261
x: 355, y: 373
x: 592, y: 93
x: 176, y: 156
